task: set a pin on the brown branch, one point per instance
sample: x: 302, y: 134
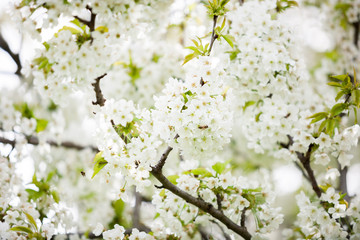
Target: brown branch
x: 226, y: 236
x: 91, y: 22
x: 15, y: 56
x: 241, y: 2
x: 305, y: 161
x: 136, y: 214
x: 356, y: 26
x: 242, y: 220
x: 343, y: 182
x: 69, y: 236
x: 198, y: 202
x: 213, y: 35
x: 219, y: 198
x: 35, y: 141
x: 100, y: 100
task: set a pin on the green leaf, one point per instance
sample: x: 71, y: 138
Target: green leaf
x: 330, y: 127
x: 31, y: 220
x: 21, y: 229
x: 355, y: 94
x: 55, y: 196
x: 173, y: 178
x: 41, y: 124
x: 46, y: 45
x: 229, y: 39
x: 100, y: 162
x: 102, y: 29
x: 318, y: 116
x: 200, y: 172
x: 339, y: 95
x: 25, y: 110
x: 34, y: 195
x: 257, y: 117
x: 220, y: 167
x: 341, y: 77
x: 189, y: 57
x: 156, y: 216
x: 119, y: 207
x: 322, y: 125
x: 71, y: 29
x: 248, y: 104
x: 334, y: 84
x: 338, y: 108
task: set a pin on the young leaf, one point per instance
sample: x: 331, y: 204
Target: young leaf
x: 339, y: 95
x: 338, y: 108
x: 340, y: 77
x: 41, y: 124
x: 318, y: 116
x: 173, y: 178
x: 334, y: 84
x: 31, y: 220
x: 220, y: 167
x: 100, y: 162
x: 229, y: 39
x: 21, y: 229
x: 188, y: 58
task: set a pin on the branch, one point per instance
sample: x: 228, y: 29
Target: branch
x: 241, y: 2
x: 136, y: 214
x: 356, y: 26
x: 242, y: 221
x: 100, y: 100
x: 305, y: 161
x: 91, y: 22
x: 69, y: 236
x: 213, y: 35
x: 226, y: 236
x: 198, y: 202
x: 343, y: 182
x: 15, y: 56
x: 35, y: 141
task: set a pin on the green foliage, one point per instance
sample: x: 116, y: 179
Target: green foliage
x: 41, y: 124
x: 173, y: 178
x: 216, y: 7
x: 199, y: 172
x: 220, y: 167
x: 331, y: 118
x: 282, y: 5
x: 126, y: 133
x: 21, y: 229
x: 43, y: 186
x: 27, y: 112
x: 100, y: 163
x: 198, y: 50
x: 119, y: 218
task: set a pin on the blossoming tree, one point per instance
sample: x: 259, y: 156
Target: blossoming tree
x: 160, y: 119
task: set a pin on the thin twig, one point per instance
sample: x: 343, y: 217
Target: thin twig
x: 15, y: 56
x: 136, y: 214
x: 100, y: 100
x: 35, y: 141
x: 305, y: 161
x: 213, y: 35
x: 226, y: 236
x: 198, y: 202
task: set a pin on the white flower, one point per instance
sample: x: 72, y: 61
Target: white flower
x: 322, y: 159
x: 98, y: 229
x: 114, y: 234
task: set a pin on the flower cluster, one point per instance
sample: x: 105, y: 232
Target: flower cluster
x: 126, y: 142
x: 325, y: 219
x: 195, y: 114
